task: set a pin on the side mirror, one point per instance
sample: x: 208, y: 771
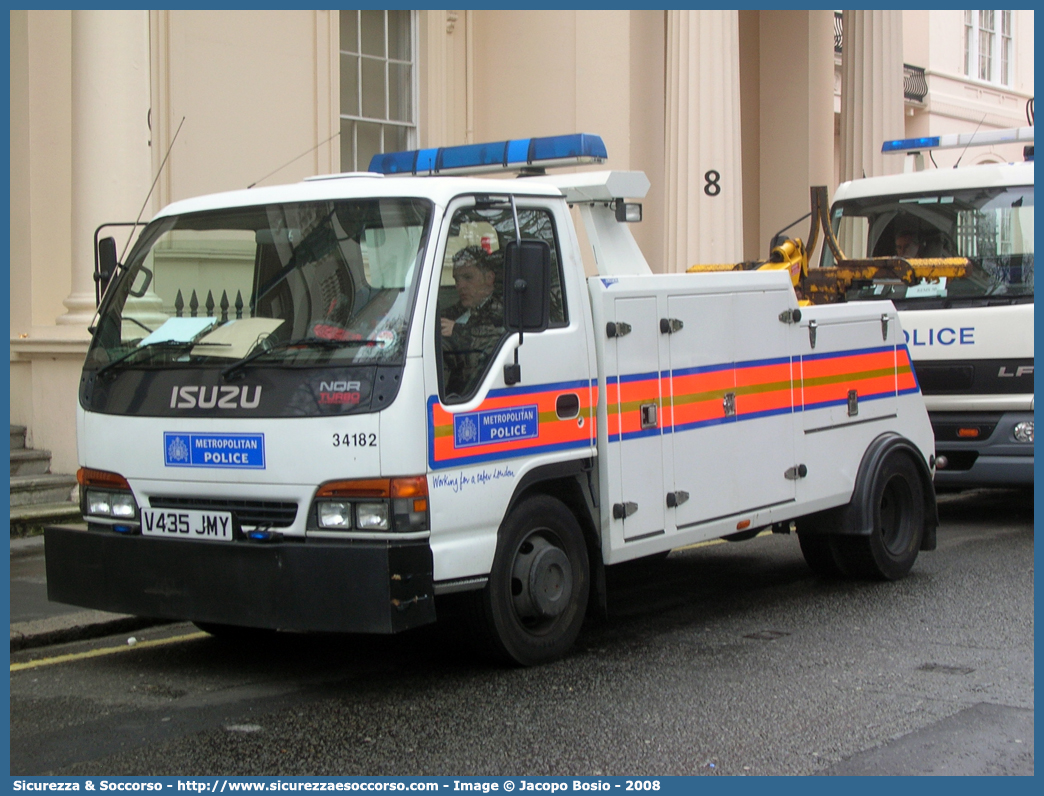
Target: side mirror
x: 105, y: 266
x: 527, y: 286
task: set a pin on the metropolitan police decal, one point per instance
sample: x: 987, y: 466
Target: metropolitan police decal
x: 496, y: 425
x: 239, y: 451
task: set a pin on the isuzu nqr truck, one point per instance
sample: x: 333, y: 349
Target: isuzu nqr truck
x: 318, y: 407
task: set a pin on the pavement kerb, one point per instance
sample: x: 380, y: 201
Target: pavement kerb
x: 27, y: 546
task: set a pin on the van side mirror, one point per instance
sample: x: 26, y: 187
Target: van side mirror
x: 527, y: 286
x: 105, y: 266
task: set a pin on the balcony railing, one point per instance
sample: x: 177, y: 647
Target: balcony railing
x: 915, y: 86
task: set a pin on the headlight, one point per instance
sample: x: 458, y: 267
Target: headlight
x: 1024, y: 431
x: 123, y: 505
x: 104, y: 494
x: 335, y: 514
x: 378, y: 504
x: 372, y: 516
x: 99, y: 503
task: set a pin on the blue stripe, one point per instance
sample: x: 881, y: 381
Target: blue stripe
x: 844, y: 401
x: 513, y: 454
x: 719, y: 421
x: 852, y: 353
x: 639, y: 377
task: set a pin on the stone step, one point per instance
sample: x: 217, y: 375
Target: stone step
x: 17, y: 437
x: 45, y: 513
x: 39, y: 489
x: 26, y: 461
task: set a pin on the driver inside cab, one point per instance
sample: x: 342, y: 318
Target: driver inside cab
x: 471, y: 328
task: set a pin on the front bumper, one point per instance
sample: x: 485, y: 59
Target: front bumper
x: 996, y: 459
x: 358, y: 587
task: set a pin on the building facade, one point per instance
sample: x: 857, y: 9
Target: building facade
x: 731, y: 114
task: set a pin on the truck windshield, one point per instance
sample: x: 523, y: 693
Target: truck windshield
x: 310, y: 283
x: 992, y: 227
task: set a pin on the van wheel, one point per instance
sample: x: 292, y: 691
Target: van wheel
x: 890, y: 550
x: 819, y: 555
x: 536, y: 598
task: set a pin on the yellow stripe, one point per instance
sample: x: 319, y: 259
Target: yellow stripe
x: 95, y: 653
x: 821, y: 381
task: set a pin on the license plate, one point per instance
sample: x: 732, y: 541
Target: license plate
x: 187, y: 524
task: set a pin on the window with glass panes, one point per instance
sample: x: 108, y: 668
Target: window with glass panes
x: 988, y: 53
x: 378, y: 108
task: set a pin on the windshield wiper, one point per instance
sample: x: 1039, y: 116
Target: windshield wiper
x: 301, y: 342
x: 165, y: 345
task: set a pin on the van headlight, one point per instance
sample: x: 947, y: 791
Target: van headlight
x: 399, y: 505
x: 106, y: 495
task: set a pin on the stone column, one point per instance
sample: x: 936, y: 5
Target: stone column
x: 871, y: 91
x: 704, y: 201
x: 111, y: 160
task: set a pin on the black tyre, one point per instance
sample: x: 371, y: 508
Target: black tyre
x: 898, y: 502
x: 819, y: 555
x: 535, y: 601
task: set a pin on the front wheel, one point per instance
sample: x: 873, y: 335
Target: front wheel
x: 898, y: 503
x: 536, y: 598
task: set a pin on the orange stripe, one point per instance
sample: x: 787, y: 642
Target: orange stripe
x: 550, y: 429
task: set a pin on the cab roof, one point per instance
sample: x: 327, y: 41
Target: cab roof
x: 361, y: 185
x: 992, y: 175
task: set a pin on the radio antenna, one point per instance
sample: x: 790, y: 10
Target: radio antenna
x: 955, y: 165
x: 152, y: 187
x: 327, y: 141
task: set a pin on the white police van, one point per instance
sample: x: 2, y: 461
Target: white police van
x: 971, y: 337
x: 269, y: 438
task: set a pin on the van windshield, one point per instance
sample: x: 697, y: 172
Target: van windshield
x: 992, y: 227
x: 329, y: 282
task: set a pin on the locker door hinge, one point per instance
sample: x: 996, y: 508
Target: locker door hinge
x: 670, y: 325
x: 675, y: 499
x: 618, y: 329
x: 648, y: 415
x: 812, y: 325
x: 795, y: 472
x: 790, y: 316
x: 728, y: 403
x: 623, y: 510
x: 853, y: 403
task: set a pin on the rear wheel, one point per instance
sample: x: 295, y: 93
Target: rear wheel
x: 898, y: 504
x: 536, y: 598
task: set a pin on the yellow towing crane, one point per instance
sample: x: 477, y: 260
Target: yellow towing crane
x: 830, y: 285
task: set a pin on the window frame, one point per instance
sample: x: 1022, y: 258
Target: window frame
x: 523, y: 204
x: 1000, y: 63
x: 353, y: 120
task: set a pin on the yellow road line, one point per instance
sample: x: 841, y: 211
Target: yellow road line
x: 95, y: 653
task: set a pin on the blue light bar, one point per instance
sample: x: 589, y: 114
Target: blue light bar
x: 559, y: 150
x: 910, y: 144
x: 1014, y: 135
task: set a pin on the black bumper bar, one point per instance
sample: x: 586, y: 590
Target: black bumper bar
x: 357, y: 587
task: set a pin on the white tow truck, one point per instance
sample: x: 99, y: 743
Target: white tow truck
x: 296, y: 414
x: 970, y: 336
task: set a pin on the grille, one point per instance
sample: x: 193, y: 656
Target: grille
x: 936, y: 379
x: 277, y: 514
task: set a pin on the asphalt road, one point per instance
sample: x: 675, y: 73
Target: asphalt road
x: 725, y: 659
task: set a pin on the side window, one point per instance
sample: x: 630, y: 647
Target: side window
x: 471, y: 292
